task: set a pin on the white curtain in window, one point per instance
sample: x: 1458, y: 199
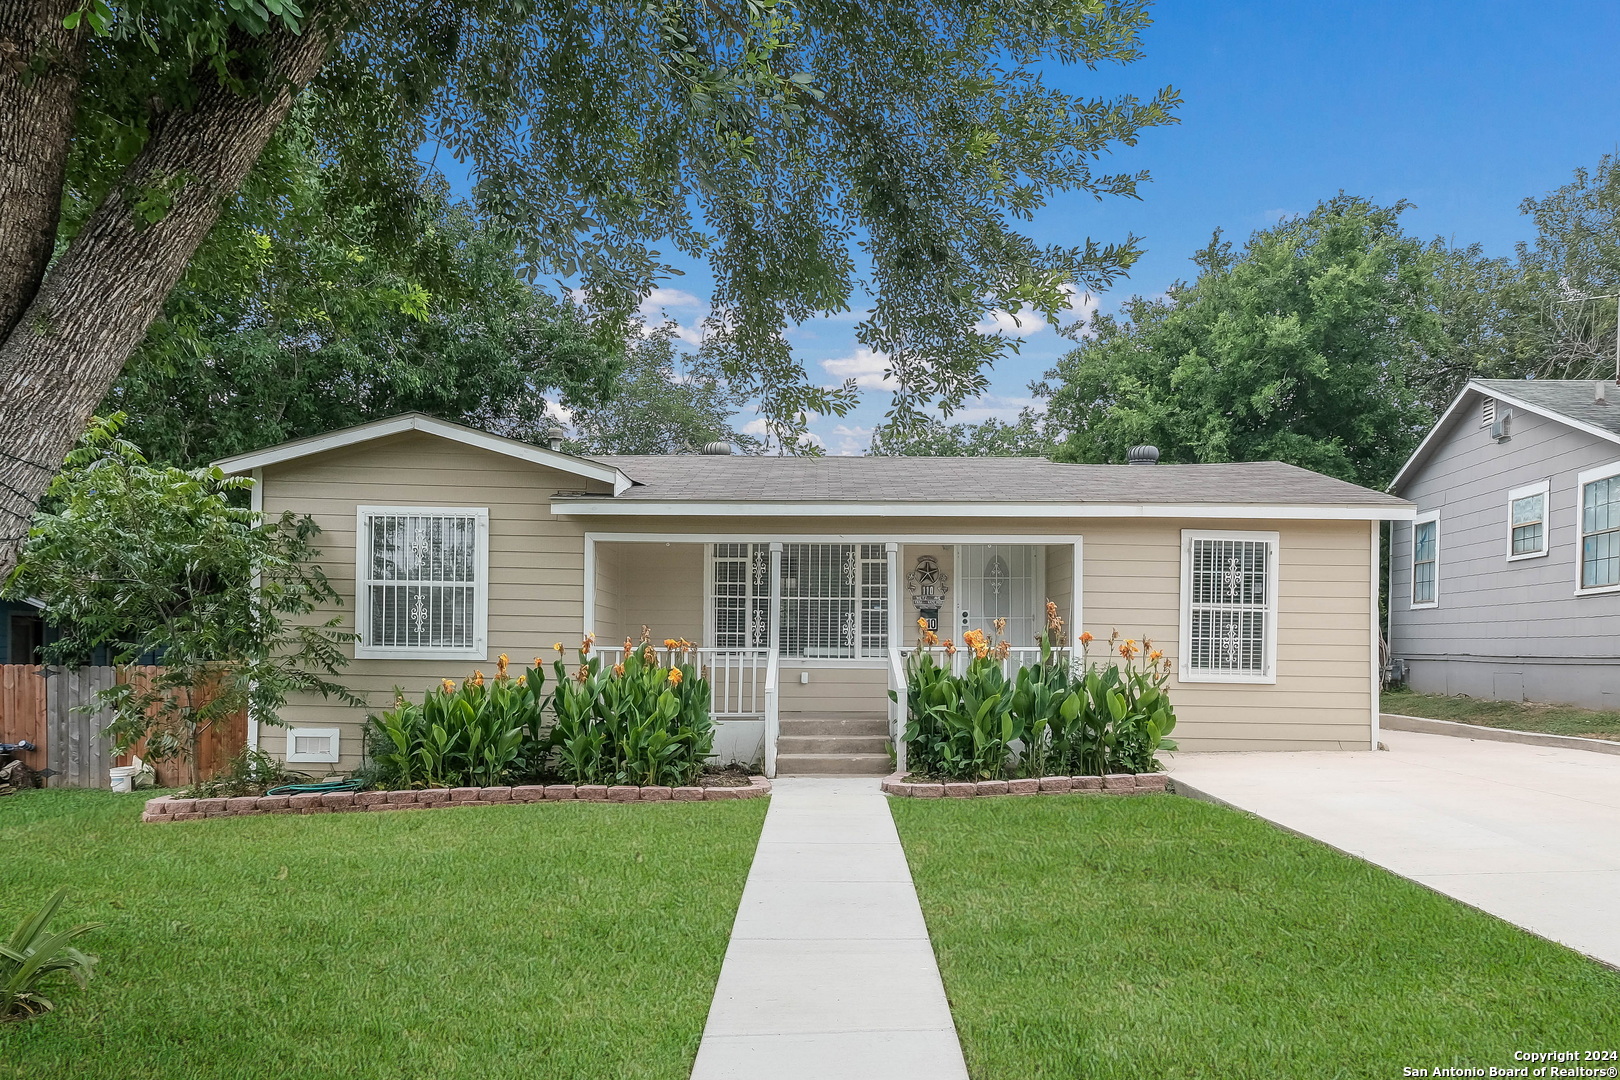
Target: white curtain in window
x: 1229, y: 597
x: 422, y: 581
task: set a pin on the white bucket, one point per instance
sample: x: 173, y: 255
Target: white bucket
x: 123, y: 777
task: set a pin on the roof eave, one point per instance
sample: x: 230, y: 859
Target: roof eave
x: 396, y: 425
x: 1393, y: 510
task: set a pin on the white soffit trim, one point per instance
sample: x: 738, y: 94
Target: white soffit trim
x: 396, y: 425
x: 1221, y: 511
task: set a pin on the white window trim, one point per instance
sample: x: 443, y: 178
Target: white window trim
x: 362, y: 596
x: 1602, y: 472
x: 1273, y: 580
x: 332, y: 733
x: 1411, y: 561
x: 1542, y: 488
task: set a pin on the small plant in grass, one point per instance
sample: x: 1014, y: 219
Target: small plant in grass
x: 35, y: 952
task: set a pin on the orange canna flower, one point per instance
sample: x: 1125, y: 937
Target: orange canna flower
x: 618, y: 669
x: 500, y: 666
x: 559, y: 648
x: 674, y: 676
x: 670, y: 643
x: 950, y: 648
x: 922, y: 624
x: 449, y: 685
x: 1155, y: 655
x: 539, y: 660
x: 1085, y: 637
x: 585, y: 646
x: 629, y: 646
x: 1128, y: 649
x: 478, y: 678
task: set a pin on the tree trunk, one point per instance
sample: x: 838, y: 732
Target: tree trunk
x: 40, y: 62
x: 97, y: 302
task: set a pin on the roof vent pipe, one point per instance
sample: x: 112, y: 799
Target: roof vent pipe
x: 554, y: 438
x: 717, y: 449
x: 1142, y: 455
x: 1599, y: 397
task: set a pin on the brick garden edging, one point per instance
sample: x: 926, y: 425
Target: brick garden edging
x: 1112, y: 784
x: 168, y: 808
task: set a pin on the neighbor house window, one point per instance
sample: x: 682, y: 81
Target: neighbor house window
x: 1426, y: 560
x: 1228, y: 606
x: 1599, y: 492
x: 422, y: 582
x: 1527, y: 521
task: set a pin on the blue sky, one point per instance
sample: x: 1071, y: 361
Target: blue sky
x: 1463, y: 108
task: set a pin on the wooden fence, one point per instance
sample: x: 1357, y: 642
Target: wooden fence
x: 50, y: 707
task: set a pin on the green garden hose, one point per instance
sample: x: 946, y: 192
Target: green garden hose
x: 316, y: 789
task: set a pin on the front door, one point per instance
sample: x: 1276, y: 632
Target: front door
x: 1001, y: 581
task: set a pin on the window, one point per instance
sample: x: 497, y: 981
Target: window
x: 1600, y: 530
x: 741, y: 596
x: 1426, y: 559
x: 1527, y: 521
x: 835, y: 601
x: 421, y: 582
x: 1228, y: 607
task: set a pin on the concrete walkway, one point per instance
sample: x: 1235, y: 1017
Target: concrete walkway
x: 1530, y: 834
x: 829, y: 973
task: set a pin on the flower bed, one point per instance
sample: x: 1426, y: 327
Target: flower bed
x: 1112, y: 784
x: 170, y: 808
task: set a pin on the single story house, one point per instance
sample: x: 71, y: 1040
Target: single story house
x: 1506, y: 585
x: 802, y: 579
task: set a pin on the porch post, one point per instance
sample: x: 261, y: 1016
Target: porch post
x: 588, y: 613
x: 897, y: 638
x: 772, y: 662
x: 896, y: 625
x: 1075, y: 614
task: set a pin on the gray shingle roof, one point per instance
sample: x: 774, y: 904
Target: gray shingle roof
x: 703, y: 478
x: 1574, y: 398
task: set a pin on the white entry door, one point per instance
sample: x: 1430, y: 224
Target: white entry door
x: 1000, y: 581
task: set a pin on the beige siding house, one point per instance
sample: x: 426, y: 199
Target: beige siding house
x: 802, y: 579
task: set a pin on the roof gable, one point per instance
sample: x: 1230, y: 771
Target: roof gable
x: 1570, y: 402
x: 395, y: 425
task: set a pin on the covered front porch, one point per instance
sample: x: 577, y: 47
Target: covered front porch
x: 804, y: 637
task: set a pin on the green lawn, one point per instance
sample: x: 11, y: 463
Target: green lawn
x: 556, y: 940
x: 1155, y: 936
x: 1517, y: 715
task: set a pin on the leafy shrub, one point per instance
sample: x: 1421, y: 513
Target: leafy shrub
x: 250, y: 772
x: 476, y: 734
x: 641, y: 721
x: 35, y: 952
x: 1056, y: 716
x: 636, y: 722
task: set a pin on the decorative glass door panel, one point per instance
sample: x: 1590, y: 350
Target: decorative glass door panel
x: 1000, y: 581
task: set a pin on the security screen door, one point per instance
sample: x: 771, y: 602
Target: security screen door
x: 1000, y: 581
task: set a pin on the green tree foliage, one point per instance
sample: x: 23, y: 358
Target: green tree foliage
x: 298, y: 316
x: 157, y: 561
x: 1300, y: 348
x: 1026, y: 436
x: 1552, y: 329
x: 662, y: 404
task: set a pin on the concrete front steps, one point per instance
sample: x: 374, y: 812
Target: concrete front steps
x: 833, y: 746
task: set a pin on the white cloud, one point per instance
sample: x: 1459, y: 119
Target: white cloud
x: 852, y: 440
x: 983, y: 408
x: 865, y: 367
x: 661, y: 300
x: 760, y: 430
x: 1027, y: 322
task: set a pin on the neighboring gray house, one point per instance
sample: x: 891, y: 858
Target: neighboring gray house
x: 1507, y: 583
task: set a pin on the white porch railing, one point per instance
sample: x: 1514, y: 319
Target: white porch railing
x: 737, y: 677
x: 773, y: 724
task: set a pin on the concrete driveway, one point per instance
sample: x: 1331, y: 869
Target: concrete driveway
x: 1530, y: 834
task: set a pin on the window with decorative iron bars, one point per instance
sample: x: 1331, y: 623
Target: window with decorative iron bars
x: 742, y: 596
x: 1229, y: 606
x: 835, y: 601
x: 422, y: 581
